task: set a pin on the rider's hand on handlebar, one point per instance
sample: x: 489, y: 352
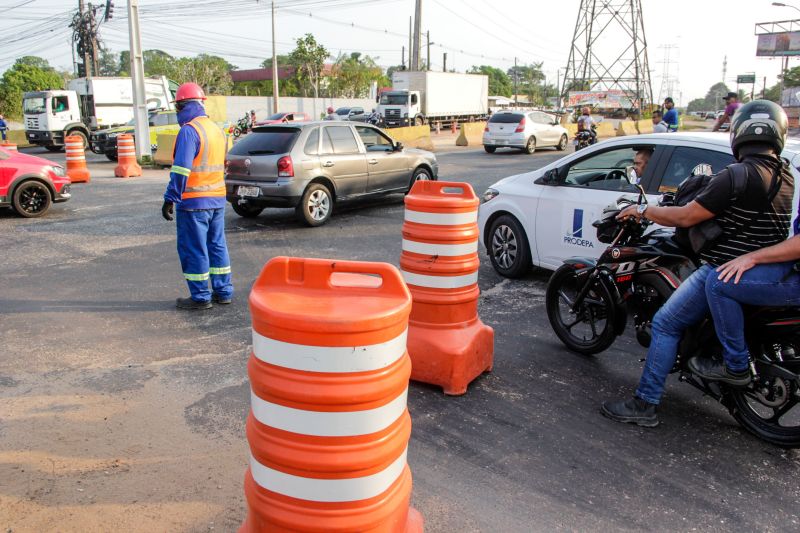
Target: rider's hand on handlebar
x: 629, y: 212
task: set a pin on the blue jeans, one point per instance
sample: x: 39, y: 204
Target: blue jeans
x: 687, y: 306
x: 761, y: 285
x: 204, y: 253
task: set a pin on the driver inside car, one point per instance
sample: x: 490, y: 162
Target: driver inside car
x: 758, y: 134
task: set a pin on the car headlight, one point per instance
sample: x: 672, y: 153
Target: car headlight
x: 490, y: 194
x: 58, y: 171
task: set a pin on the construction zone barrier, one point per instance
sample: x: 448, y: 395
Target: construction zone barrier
x: 413, y: 136
x: 644, y: 126
x: 166, y: 149
x: 471, y: 134
x: 606, y: 129
x: 448, y: 344
x: 328, y: 427
x: 126, y: 153
x: 76, y: 159
x: 627, y: 127
x: 11, y: 147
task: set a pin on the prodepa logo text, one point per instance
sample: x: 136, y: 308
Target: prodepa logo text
x: 575, y: 237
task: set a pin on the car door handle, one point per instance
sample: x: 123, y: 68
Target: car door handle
x: 373, y: 161
x: 327, y: 164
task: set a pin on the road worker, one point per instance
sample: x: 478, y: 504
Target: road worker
x: 195, y: 197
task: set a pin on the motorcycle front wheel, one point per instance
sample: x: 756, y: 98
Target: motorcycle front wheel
x: 770, y: 410
x: 589, y: 329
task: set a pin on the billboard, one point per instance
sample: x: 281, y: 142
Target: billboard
x: 614, y: 99
x: 778, y: 44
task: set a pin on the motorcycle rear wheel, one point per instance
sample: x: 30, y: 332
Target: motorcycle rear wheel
x: 766, y: 421
x: 595, y: 313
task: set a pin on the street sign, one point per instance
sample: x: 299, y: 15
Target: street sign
x: 746, y: 78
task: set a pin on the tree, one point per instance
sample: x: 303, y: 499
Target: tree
x: 212, y: 73
x: 308, y: 57
x: 109, y: 63
x: 499, y: 82
x: 391, y: 70
x: 353, y: 75
x: 28, y: 73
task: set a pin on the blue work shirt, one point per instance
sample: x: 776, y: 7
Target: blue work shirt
x: 187, y: 147
x: 671, y: 118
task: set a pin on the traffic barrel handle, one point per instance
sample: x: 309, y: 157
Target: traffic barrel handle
x: 440, y: 188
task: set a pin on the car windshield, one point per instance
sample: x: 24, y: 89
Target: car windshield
x: 506, y: 118
x: 343, y: 111
x: 394, y: 99
x: 264, y: 141
x: 277, y: 116
x: 33, y: 106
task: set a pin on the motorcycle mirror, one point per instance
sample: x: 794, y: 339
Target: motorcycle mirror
x: 703, y: 169
x: 630, y: 173
x: 398, y: 147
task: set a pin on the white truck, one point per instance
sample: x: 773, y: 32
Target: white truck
x: 420, y: 97
x: 86, y: 105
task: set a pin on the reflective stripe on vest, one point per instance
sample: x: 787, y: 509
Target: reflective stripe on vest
x: 207, y: 177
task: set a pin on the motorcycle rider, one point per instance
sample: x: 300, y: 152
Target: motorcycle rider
x: 585, y: 123
x: 332, y: 114
x: 374, y: 118
x: 757, y: 141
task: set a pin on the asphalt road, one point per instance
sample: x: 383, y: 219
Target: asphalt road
x: 119, y: 412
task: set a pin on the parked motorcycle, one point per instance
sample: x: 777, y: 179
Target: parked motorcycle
x: 585, y: 138
x: 242, y: 126
x: 588, y: 302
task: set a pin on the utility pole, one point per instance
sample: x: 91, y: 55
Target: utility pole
x: 724, y: 68
x: 428, y: 60
x: 444, y: 62
x: 410, y: 43
x: 275, y: 70
x: 417, y: 34
x: 93, y: 39
x: 86, y: 66
x: 764, y: 88
x: 141, y: 127
x: 403, y: 55
x: 516, y: 104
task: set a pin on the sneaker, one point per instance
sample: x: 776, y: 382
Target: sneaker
x: 632, y: 411
x: 711, y: 370
x: 188, y: 303
x: 217, y: 299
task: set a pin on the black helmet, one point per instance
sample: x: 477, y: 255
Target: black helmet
x: 759, y: 121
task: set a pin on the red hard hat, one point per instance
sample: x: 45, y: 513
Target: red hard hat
x: 330, y: 110
x: 189, y: 91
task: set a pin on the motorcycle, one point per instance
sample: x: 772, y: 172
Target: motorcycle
x: 585, y: 138
x: 243, y: 125
x: 376, y: 120
x: 588, y: 301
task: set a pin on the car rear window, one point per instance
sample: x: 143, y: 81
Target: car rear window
x: 506, y: 118
x: 266, y: 141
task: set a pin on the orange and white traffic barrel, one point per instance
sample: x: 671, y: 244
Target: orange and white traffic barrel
x: 11, y: 147
x: 448, y: 344
x: 76, y: 159
x: 328, y: 427
x: 126, y: 158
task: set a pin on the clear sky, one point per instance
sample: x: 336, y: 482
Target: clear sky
x: 472, y: 32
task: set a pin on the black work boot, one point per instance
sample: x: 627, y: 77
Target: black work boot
x: 193, y: 305
x: 217, y: 299
x: 633, y: 411
x: 712, y: 370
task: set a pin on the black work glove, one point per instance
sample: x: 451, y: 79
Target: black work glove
x: 167, y: 211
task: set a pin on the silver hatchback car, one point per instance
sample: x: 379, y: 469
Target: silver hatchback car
x: 314, y: 165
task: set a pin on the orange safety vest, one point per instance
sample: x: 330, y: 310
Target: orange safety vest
x: 207, y: 176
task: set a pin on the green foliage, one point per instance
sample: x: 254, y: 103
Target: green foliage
x: 353, y: 75
x: 308, y: 57
x: 29, y: 73
x: 499, y: 82
x: 209, y: 71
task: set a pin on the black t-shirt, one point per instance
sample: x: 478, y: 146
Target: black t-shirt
x: 741, y: 231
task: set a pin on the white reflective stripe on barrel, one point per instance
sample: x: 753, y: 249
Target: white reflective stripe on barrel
x: 440, y: 282
x: 328, y: 423
x: 328, y: 490
x: 329, y: 359
x: 441, y: 219
x: 447, y: 250
x: 76, y: 159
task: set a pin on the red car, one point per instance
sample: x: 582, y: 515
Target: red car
x: 30, y: 184
x: 279, y: 118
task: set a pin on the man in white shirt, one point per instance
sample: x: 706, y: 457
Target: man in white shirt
x: 659, y: 126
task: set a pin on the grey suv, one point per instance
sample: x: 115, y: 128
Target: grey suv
x: 312, y: 166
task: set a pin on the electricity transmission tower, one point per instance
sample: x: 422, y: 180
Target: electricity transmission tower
x: 609, y: 51
x: 669, y: 83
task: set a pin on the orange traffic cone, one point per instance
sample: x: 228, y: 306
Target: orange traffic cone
x: 453, y: 126
x: 76, y: 159
x: 11, y: 147
x: 126, y: 158
x: 448, y: 344
x: 328, y: 427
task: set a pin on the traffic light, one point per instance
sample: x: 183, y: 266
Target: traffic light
x: 109, y: 10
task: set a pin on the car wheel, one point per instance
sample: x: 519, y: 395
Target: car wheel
x: 31, y: 199
x: 112, y: 156
x: 246, y: 210
x: 530, y: 146
x: 52, y: 148
x: 508, y: 247
x: 489, y: 149
x: 84, y: 140
x: 420, y: 174
x: 316, y: 205
x: 562, y: 144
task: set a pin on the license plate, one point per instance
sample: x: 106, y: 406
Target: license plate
x: 249, y: 191
x: 503, y: 142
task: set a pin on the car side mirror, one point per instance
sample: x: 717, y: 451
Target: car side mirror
x: 398, y: 147
x: 551, y: 176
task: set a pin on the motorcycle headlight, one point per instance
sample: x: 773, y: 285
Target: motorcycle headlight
x: 490, y: 194
x: 58, y: 171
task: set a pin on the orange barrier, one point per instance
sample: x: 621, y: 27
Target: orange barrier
x: 11, y: 147
x: 453, y: 126
x: 448, y: 344
x: 328, y: 426
x: 126, y: 158
x: 76, y: 159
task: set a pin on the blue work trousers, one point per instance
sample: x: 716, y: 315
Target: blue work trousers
x: 204, y: 253
x: 772, y: 284
x: 687, y: 306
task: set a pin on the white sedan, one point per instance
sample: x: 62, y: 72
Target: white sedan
x: 526, y: 130
x: 543, y: 217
